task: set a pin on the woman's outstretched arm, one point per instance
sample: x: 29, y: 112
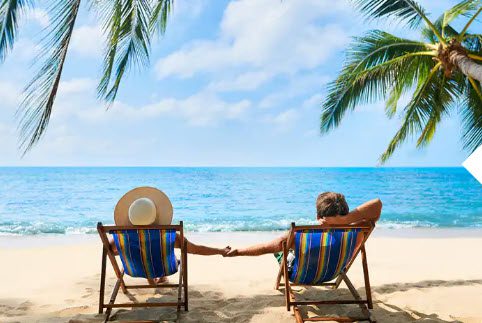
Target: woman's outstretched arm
x: 272, y: 246
x: 201, y: 249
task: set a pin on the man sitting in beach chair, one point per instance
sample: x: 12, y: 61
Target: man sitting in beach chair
x: 331, y: 209
x: 144, y: 239
x: 324, y: 252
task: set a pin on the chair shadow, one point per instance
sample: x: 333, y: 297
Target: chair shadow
x: 403, y: 287
x: 382, y: 311
x: 212, y: 306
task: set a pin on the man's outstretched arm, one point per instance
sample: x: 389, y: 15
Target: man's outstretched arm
x: 273, y: 246
x: 200, y: 249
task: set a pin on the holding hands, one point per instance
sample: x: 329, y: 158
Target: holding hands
x: 232, y: 253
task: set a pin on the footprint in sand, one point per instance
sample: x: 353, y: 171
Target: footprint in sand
x: 25, y: 305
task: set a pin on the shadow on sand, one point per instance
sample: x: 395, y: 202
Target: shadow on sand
x: 213, y: 306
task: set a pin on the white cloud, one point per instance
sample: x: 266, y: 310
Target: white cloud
x: 244, y: 82
x: 88, y: 41
x: 284, y: 120
x: 201, y: 109
x: 264, y: 34
x: 313, y: 102
x: 24, y: 50
x: 77, y: 85
x: 188, y: 8
x: 40, y: 16
x: 9, y: 94
x: 303, y: 84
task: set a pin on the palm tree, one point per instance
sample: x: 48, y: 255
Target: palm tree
x: 129, y: 26
x: 440, y: 72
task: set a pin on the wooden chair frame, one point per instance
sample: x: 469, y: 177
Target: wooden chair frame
x: 107, y: 252
x: 365, y: 304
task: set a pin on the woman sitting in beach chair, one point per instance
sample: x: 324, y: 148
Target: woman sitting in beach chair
x: 147, y: 206
x: 144, y: 239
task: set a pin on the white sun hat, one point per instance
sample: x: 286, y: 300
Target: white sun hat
x: 143, y: 206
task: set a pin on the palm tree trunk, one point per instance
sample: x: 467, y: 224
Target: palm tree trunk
x: 466, y: 65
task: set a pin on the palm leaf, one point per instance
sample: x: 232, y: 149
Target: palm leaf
x: 442, y: 24
x: 443, y: 94
x: 127, y: 25
x: 374, y: 63
x: 112, y: 20
x: 10, y: 11
x: 418, y: 111
x: 469, y: 23
x: 473, y: 42
x: 40, y: 93
x: 471, y: 113
x: 413, y: 70
x: 463, y: 8
x: 160, y: 14
x: 403, y: 10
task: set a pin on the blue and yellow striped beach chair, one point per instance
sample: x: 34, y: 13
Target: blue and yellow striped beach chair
x: 323, y: 255
x: 145, y: 252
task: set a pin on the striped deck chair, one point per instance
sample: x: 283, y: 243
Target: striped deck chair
x: 146, y: 252
x: 323, y: 255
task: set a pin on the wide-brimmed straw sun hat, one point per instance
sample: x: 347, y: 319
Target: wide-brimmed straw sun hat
x: 143, y: 206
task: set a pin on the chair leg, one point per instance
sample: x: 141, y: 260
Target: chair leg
x: 366, y: 277
x: 179, y: 290
x: 286, y: 277
x: 122, y: 283
x: 102, y: 280
x: 298, y: 317
x: 184, y: 283
x: 357, y: 296
x: 112, y: 299
x: 338, y: 281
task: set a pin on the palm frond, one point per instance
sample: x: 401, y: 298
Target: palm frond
x: 417, y: 112
x: 403, y: 10
x: 413, y: 69
x: 442, y: 24
x: 10, y: 11
x: 473, y: 42
x: 374, y: 64
x: 160, y: 14
x: 40, y: 93
x: 469, y: 23
x: 127, y: 24
x: 440, y: 98
x: 471, y: 112
x: 448, y: 32
x: 463, y: 8
x: 112, y: 16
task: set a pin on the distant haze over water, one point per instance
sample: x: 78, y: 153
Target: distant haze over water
x: 73, y: 200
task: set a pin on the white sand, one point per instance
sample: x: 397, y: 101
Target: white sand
x: 431, y: 276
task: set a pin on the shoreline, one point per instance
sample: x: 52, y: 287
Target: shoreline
x: 234, y: 237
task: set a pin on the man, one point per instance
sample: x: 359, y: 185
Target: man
x: 331, y: 208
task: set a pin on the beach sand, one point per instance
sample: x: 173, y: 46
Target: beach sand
x: 424, y: 275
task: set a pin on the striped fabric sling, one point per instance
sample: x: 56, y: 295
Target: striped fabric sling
x: 147, y: 253
x: 320, y: 255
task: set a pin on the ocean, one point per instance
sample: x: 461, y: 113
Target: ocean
x: 71, y: 200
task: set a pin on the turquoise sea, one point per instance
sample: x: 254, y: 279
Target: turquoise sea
x: 72, y: 200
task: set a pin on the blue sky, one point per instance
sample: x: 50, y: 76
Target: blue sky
x: 232, y: 83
